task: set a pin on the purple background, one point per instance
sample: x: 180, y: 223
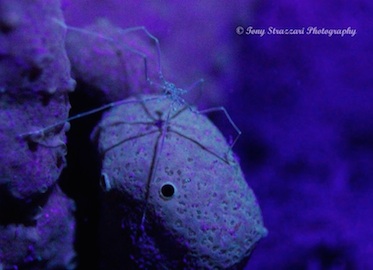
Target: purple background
x: 304, y: 104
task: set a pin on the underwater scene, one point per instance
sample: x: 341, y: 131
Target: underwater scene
x: 175, y: 135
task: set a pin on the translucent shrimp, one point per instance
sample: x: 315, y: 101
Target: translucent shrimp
x: 166, y: 88
x: 161, y: 121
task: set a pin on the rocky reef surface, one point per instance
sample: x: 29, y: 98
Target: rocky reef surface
x: 36, y: 218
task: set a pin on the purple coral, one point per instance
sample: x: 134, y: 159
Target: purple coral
x: 35, y: 79
x: 45, y: 241
x: 36, y: 220
x: 110, y: 61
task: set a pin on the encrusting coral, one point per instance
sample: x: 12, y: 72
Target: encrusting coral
x: 35, y: 80
x: 36, y: 220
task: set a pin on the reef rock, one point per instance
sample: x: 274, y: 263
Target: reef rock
x: 43, y: 243
x: 34, y: 83
x: 112, y: 62
x: 36, y: 221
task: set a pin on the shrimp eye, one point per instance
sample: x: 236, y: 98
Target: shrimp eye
x: 167, y: 191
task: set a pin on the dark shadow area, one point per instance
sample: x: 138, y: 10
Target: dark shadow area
x: 80, y: 179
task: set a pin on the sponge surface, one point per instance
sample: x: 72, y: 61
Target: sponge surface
x: 172, y: 168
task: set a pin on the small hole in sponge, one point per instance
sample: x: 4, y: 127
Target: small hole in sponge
x: 167, y: 191
x: 32, y: 146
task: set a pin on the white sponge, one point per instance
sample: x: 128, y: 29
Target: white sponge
x: 178, y: 194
